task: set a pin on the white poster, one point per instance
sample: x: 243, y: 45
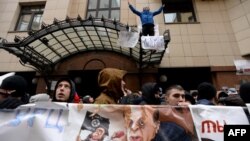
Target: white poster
x: 128, y: 39
x: 209, y: 121
x: 242, y: 67
x: 153, y: 42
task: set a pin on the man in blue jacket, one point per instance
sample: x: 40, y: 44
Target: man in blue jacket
x: 147, y: 19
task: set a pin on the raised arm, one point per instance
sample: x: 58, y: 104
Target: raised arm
x: 133, y: 9
x: 159, y: 10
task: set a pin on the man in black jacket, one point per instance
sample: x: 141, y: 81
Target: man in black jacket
x: 13, y: 92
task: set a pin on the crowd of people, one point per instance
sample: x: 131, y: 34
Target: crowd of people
x: 13, y: 93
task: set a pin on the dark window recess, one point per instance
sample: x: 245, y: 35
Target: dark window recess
x: 86, y: 82
x: 179, y: 11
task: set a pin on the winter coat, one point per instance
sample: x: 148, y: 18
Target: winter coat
x: 109, y: 81
x: 148, y: 94
x: 146, y: 16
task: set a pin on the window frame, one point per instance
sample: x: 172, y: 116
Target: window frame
x: 179, y: 11
x: 98, y: 9
x: 26, y: 10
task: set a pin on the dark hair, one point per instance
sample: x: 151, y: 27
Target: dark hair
x: 177, y: 87
x: 206, y: 91
x: 189, y: 97
x: 245, y: 92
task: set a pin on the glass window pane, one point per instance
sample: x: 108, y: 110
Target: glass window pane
x: 115, y: 14
x: 179, y: 11
x: 104, y: 13
x: 92, y: 13
x: 170, y: 17
x: 187, y: 17
x: 104, y: 3
x: 36, y: 22
x: 115, y: 3
x: 23, y: 23
x: 92, y: 4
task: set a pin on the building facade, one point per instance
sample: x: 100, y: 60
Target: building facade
x: 206, y: 37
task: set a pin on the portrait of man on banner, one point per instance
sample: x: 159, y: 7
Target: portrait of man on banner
x: 97, y: 127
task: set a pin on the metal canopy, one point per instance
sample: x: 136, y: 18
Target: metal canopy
x: 44, y: 48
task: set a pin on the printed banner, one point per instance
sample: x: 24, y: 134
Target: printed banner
x: 128, y: 39
x: 210, y: 120
x: 153, y: 42
x: 49, y: 121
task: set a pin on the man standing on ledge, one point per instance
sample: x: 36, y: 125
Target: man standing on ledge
x: 147, y: 19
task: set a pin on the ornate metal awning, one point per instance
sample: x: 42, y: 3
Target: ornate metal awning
x: 44, y: 48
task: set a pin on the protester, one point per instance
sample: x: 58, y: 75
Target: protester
x: 133, y: 98
x: 65, y: 91
x: 220, y: 97
x: 233, y: 100
x: 171, y: 131
x: 13, y: 92
x: 194, y: 95
x: 244, y: 92
x: 150, y: 94
x: 189, y: 99
x: 206, y: 94
x: 175, y: 95
x: 88, y: 99
x: 147, y: 19
x: 112, y: 86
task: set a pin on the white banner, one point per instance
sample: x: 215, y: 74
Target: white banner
x: 242, y: 67
x: 153, y: 42
x: 209, y: 121
x: 128, y: 39
x: 75, y: 122
x: 41, y: 122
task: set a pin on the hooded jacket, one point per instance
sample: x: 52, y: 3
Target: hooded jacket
x: 72, y: 90
x: 109, y: 81
x: 146, y: 16
x: 148, y: 94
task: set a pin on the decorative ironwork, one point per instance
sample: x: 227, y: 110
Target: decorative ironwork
x: 44, y: 48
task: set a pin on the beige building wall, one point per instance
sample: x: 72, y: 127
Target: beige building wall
x: 210, y: 42
x: 239, y: 15
x: 221, y: 35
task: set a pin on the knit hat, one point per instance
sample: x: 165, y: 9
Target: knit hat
x: 206, y: 91
x: 245, y: 92
x: 17, y: 83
